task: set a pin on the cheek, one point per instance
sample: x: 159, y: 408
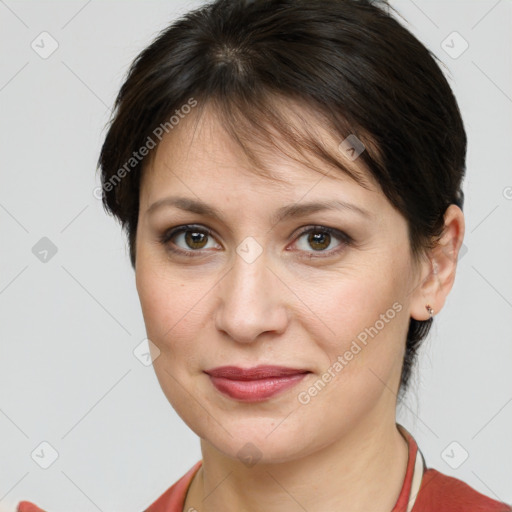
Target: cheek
x: 361, y: 335
x: 172, y: 315
x: 173, y: 311
x: 362, y: 319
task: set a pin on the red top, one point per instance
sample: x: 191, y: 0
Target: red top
x: 437, y: 492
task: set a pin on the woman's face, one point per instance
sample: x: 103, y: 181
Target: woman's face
x: 262, y: 291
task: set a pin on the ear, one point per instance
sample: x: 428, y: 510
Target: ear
x: 437, y: 270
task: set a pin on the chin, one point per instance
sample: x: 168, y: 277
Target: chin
x: 262, y: 440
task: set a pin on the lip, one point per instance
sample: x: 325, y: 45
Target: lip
x: 254, y: 384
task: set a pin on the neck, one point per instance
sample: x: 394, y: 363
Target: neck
x: 364, y: 470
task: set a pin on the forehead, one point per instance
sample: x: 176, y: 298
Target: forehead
x: 204, y: 145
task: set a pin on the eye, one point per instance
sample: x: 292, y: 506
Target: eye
x: 321, y: 238
x: 188, y: 239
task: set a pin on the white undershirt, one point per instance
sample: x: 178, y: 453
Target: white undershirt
x: 419, y: 467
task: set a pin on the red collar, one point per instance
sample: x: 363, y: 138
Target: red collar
x: 414, y: 472
x: 174, y: 498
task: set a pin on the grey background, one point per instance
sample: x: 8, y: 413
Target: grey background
x: 68, y: 326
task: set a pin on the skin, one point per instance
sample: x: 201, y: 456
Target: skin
x: 294, y: 306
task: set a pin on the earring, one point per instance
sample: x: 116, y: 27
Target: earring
x: 430, y: 310
x: 434, y: 267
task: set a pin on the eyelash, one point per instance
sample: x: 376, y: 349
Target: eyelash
x: 342, y: 237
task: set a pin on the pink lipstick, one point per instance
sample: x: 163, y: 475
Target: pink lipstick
x: 254, y: 384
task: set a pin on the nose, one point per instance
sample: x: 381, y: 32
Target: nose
x: 252, y: 301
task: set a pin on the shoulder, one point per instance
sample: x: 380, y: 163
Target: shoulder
x: 28, y: 506
x: 442, y: 492
x: 173, y: 499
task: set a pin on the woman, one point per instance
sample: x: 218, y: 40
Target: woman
x: 289, y: 174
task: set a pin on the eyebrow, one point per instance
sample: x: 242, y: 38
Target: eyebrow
x: 285, y: 212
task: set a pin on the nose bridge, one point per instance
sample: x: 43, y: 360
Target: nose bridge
x: 249, y: 299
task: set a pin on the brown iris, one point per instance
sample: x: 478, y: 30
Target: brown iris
x: 319, y: 241
x: 196, y: 239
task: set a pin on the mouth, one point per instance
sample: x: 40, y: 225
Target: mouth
x: 254, y: 384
